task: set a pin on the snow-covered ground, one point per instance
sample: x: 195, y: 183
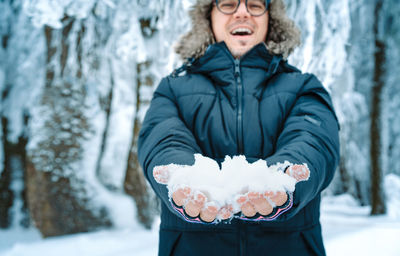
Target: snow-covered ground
x: 101, y: 243
x: 347, y: 229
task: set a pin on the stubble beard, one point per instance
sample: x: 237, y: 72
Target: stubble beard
x: 238, y: 53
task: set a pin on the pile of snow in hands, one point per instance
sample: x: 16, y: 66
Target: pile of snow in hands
x: 235, y: 177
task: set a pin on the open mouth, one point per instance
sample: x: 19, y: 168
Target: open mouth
x: 241, y: 32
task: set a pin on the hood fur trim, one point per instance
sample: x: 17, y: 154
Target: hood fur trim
x: 283, y: 35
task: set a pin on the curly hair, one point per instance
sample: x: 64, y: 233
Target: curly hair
x: 282, y: 38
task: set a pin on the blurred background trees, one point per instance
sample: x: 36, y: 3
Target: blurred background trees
x: 76, y: 78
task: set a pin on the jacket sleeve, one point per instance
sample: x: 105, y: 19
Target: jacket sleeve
x: 310, y: 135
x: 164, y: 139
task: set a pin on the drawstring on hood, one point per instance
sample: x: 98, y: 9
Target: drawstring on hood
x: 283, y: 35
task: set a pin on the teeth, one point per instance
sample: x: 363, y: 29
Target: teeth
x: 241, y: 30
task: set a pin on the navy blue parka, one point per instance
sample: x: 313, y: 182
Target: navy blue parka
x: 257, y: 106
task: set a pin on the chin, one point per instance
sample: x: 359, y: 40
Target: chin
x: 239, y: 52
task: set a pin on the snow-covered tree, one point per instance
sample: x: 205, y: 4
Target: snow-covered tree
x: 83, y: 63
x: 391, y: 96
x: 17, y: 88
x: 330, y: 33
x: 3, y: 186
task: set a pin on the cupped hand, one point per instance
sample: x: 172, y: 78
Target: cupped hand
x: 253, y: 202
x: 195, y: 203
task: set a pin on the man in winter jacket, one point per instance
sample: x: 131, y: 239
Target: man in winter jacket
x: 237, y: 95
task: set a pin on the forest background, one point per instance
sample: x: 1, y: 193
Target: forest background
x: 76, y: 78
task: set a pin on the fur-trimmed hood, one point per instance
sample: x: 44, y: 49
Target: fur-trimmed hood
x: 283, y: 35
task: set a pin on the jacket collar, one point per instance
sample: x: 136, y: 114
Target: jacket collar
x: 218, y: 58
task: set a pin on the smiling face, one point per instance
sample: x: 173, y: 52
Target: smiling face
x: 240, y: 31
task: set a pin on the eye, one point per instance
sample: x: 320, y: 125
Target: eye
x: 228, y: 4
x: 256, y: 6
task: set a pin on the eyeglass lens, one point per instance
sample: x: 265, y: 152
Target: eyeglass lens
x: 254, y: 7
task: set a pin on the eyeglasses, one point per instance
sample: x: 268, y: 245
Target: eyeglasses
x: 254, y: 7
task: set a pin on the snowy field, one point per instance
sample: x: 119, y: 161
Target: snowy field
x: 347, y: 228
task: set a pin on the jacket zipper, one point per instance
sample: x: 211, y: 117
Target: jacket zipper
x: 239, y: 93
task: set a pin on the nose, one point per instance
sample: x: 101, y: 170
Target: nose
x: 241, y: 12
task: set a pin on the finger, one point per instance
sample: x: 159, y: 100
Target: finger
x: 260, y: 204
x: 279, y: 198
x: 192, y: 208
x: 161, y: 174
x: 242, y: 199
x: 199, y: 198
x: 195, y: 204
x: 248, y: 210
x: 181, y: 196
x: 245, y: 206
x: 226, y: 212
x: 299, y: 172
x: 209, y: 212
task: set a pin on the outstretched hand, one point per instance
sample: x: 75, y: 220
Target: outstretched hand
x: 194, y: 202
x: 252, y: 202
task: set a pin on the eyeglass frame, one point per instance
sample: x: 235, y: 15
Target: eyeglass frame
x: 267, y: 2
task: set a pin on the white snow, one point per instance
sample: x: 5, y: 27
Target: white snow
x: 392, y: 193
x: 123, y: 242
x: 50, y: 12
x: 347, y: 230
x: 235, y: 177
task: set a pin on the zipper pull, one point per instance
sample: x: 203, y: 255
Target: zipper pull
x: 237, y: 70
x: 237, y: 67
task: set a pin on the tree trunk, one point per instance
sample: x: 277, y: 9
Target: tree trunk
x: 107, y: 103
x: 6, y: 194
x: 377, y: 193
x: 344, y: 175
x: 14, y: 173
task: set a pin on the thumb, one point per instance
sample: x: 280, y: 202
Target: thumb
x: 300, y: 172
x: 162, y: 174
